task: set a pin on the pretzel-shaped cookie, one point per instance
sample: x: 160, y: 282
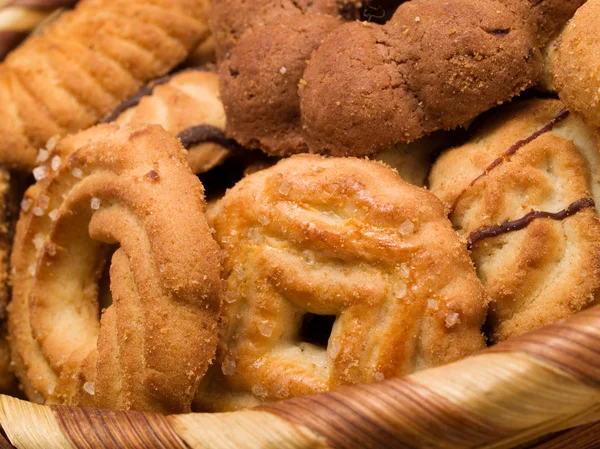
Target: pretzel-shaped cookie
x: 114, y: 185
x: 435, y: 65
x: 345, y: 241
x: 85, y: 63
x: 522, y: 193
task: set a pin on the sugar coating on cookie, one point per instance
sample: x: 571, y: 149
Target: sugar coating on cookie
x: 316, y: 245
x: 575, y: 64
x: 522, y: 194
x: 155, y: 336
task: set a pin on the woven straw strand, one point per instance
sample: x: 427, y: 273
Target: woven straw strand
x: 246, y: 429
x: 585, y: 437
x: 31, y: 426
x: 88, y: 428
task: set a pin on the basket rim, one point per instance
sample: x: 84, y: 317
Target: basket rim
x: 524, y: 392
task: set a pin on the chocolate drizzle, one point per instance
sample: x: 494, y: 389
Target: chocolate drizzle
x: 9, y: 40
x: 40, y: 4
x: 134, y: 100
x: 145, y: 91
x: 563, y: 114
x: 509, y: 226
x: 196, y: 135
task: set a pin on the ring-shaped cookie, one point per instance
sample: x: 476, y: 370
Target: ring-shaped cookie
x: 114, y: 185
x: 343, y: 241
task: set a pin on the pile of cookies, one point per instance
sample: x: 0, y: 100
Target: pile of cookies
x: 243, y: 202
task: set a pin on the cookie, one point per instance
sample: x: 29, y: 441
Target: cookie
x: 186, y: 104
x: 126, y: 194
x: 574, y: 63
x: 85, y: 63
x: 522, y: 194
x: 336, y: 272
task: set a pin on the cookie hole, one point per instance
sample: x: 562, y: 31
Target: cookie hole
x: 104, y: 295
x: 316, y: 329
x: 378, y: 11
x: 499, y: 32
x: 234, y: 73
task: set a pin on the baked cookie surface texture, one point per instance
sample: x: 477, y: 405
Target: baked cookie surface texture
x: 522, y: 193
x: 316, y: 246
x: 85, y: 63
x: 147, y: 349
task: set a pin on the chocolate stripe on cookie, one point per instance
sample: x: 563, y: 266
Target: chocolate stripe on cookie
x: 41, y: 4
x: 9, y: 39
x: 135, y: 98
x: 563, y: 114
x: 145, y: 92
x: 195, y: 135
x: 509, y: 226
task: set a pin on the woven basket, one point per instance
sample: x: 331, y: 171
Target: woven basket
x: 520, y: 393
x: 541, y: 391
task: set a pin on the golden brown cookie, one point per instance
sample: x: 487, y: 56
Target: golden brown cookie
x: 19, y: 18
x: 104, y: 187
x: 85, y: 63
x: 521, y: 194
x: 186, y: 104
x: 575, y: 63
x: 546, y: 83
x: 336, y: 272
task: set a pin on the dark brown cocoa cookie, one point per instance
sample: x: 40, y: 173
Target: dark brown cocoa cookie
x: 434, y: 65
x: 231, y: 19
x: 547, y: 16
x: 369, y: 86
x: 259, y: 82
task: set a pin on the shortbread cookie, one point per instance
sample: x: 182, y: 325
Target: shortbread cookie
x: 110, y: 186
x: 413, y: 160
x: 522, y: 195
x: 316, y: 246
x: 186, y: 104
x: 12, y: 187
x: 85, y: 63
